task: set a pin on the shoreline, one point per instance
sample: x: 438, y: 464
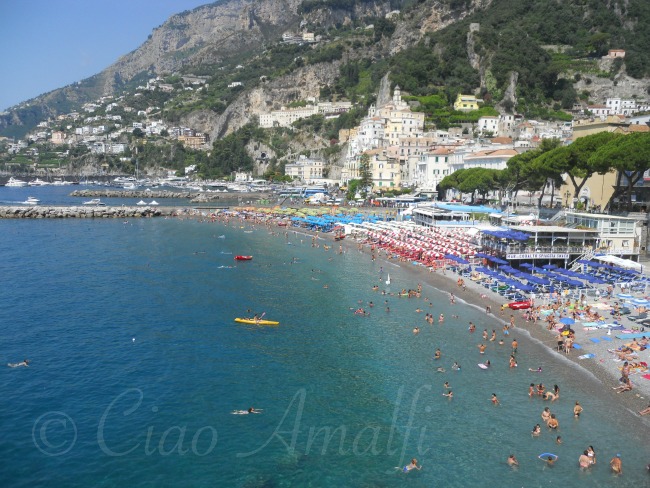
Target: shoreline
x: 601, y: 369
x: 634, y: 401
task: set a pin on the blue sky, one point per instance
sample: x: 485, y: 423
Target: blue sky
x: 47, y: 44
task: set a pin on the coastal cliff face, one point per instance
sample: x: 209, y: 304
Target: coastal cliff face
x: 205, y: 35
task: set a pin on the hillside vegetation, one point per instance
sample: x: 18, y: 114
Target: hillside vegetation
x: 548, y: 44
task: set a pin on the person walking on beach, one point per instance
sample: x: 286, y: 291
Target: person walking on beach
x: 514, y: 346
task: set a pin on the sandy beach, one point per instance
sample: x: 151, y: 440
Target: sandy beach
x: 604, y: 367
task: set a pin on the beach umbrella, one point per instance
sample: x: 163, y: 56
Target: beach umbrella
x: 497, y: 260
x: 549, y: 266
x: 567, y: 321
x: 525, y: 265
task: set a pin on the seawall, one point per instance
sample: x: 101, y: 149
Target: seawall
x: 88, y: 212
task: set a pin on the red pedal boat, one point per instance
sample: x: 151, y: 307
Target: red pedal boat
x: 519, y: 305
x: 243, y: 258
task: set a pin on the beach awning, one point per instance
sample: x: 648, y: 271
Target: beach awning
x: 456, y: 258
x: 496, y: 260
x: 482, y: 255
x: 623, y: 263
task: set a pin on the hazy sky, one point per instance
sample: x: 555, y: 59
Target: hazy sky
x: 47, y: 44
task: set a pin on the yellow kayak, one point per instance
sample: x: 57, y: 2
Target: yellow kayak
x: 256, y: 322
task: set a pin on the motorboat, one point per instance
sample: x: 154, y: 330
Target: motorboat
x: 15, y: 182
x: 153, y: 202
x: 38, y: 182
x: 32, y: 201
x: 243, y: 258
x: 95, y: 201
x: 141, y: 202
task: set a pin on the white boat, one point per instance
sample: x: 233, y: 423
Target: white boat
x: 38, y: 182
x: 95, y: 201
x: 31, y: 201
x: 388, y: 280
x: 141, y: 202
x: 153, y: 202
x: 15, y: 183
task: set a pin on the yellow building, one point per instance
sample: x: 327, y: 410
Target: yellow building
x: 466, y: 103
x: 598, y: 189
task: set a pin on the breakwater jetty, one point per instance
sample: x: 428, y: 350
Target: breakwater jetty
x: 132, y: 193
x: 88, y: 212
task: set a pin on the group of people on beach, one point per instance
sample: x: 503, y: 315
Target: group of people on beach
x: 552, y: 313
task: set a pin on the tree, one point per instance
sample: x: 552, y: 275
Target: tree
x: 630, y: 156
x: 137, y: 132
x: 365, y: 181
x: 575, y: 161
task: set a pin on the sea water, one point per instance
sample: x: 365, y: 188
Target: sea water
x: 136, y: 366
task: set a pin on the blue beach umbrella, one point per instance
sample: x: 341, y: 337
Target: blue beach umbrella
x: 549, y: 266
x: 567, y: 321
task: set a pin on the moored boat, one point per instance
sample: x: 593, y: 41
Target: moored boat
x: 13, y: 182
x: 243, y: 258
x: 518, y: 305
x: 95, y: 201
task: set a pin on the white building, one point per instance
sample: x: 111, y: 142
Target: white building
x: 306, y: 169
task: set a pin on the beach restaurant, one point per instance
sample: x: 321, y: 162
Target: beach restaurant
x: 540, y: 243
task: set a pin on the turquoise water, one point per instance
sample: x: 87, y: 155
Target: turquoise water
x: 136, y: 366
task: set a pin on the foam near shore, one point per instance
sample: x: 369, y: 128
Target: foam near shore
x: 601, y: 368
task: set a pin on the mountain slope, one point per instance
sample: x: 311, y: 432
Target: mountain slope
x: 525, y: 55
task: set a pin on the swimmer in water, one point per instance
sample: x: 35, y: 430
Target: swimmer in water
x: 537, y: 430
x: 24, y: 363
x: 512, y: 460
x: 413, y: 465
x: 440, y: 370
x: 456, y: 366
x: 449, y: 394
x: 437, y: 354
x: 538, y: 370
x: 246, y: 412
x: 495, y: 400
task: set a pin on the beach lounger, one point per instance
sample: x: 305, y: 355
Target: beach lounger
x: 632, y: 336
x: 605, y: 338
x: 595, y: 340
